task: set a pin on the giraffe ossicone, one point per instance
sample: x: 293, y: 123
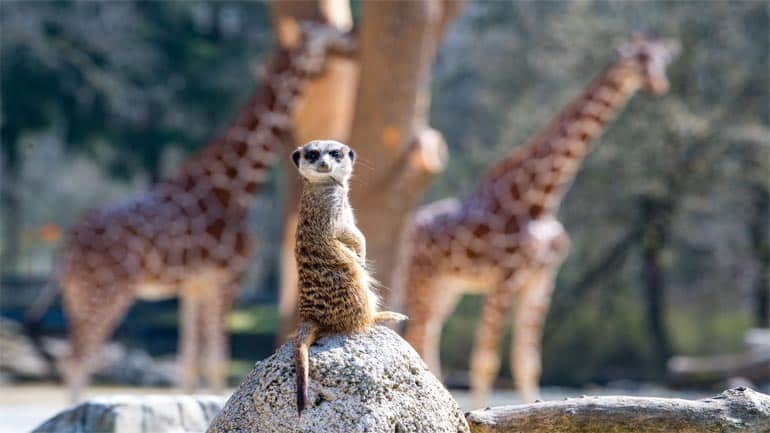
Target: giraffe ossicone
x: 188, y: 236
x: 504, y: 239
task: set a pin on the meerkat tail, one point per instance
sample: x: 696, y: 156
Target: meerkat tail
x: 388, y: 316
x: 306, y: 335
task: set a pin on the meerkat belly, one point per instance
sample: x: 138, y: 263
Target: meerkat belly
x: 340, y: 311
x: 333, y: 293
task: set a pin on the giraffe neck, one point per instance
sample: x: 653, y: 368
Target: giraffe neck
x: 236, y: 165
x: 541, y: 171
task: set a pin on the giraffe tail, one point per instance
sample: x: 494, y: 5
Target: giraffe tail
x: 306, y: 335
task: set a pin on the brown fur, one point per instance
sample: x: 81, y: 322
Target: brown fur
x: 504, y: 239
x: 188, y: 236
x: 335, y: 289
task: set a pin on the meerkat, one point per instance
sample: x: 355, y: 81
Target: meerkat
x: 335, y: 288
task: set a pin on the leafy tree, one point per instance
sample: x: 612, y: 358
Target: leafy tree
x: 120, y: 82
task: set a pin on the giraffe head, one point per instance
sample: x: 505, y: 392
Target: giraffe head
x: 324, y: 162
x: 319, y: 40
x: 652, y: 55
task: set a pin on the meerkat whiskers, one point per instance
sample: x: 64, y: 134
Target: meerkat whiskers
x: 335, y: 286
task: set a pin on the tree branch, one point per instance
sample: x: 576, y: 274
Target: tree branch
x: 735, y: 410
x: 611, y: 260
x: 324, y: 110
x: 397, y: 44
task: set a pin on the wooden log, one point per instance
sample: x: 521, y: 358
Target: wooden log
x: 704, y: 370
x: 738, y: 410
x: 757, y: 339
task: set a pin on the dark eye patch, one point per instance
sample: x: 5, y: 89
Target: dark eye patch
x: 335, y: 154
x: 312, y: 155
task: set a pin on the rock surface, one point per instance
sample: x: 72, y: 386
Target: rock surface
x: 19, y: 361
x: 131, y: 414
x: 368, y: 382
x: 18, y: 358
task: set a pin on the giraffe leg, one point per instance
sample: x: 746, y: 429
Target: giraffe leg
x: 485, y: 358
x: 93, y: 313
x: 190, y: 304
x: 530, y: 312
x: 418, y: 310
x: 216, y: 307
x: 428, y: 310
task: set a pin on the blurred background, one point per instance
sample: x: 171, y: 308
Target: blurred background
x: 668, y: 217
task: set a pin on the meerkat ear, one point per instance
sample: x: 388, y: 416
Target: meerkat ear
x: 295, y: 156
x: 352, y: 155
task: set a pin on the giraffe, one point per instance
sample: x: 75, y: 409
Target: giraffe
x: 503, y: 239
x: 188, y: 236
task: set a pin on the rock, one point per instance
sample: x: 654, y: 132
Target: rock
x: 365, y: 382
x: 757, y: 338
x: 20, y: 361
x: 124, y: 366
x: 19, y: 358
x: 134, y: 414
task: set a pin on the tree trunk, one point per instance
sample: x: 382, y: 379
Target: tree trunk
x: 325, y: 110
x: 399, y: 153
x: 656, y: 217
x: 738, y: 410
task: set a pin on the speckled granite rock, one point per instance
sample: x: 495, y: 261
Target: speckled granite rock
x: 135, y: 414
x: 369, y: 382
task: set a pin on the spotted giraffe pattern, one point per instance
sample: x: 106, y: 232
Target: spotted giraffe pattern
x: 188, y: 236
x: 504, y: 240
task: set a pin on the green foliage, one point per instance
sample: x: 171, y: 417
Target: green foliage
x: 697, y: 154
x: 99, y: 97
x: 136, y: 77
x: 259, y: 319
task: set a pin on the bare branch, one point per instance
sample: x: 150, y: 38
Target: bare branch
x: 735, y: 410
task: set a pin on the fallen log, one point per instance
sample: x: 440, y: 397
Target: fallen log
x: 757, y: 339
x: 704, y: 370
x: 738, y: 410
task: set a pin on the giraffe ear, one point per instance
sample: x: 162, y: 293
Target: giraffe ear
x: 295, y: 157
x: 352, y: 155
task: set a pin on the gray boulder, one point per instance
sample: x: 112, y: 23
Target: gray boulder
x: 368, y: 382
x: 135, y: 414
x: 19, y: 359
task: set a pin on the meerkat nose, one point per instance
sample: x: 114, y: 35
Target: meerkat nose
x: 324, y: 167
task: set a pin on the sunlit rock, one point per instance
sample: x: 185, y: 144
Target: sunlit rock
x: 368, y: 382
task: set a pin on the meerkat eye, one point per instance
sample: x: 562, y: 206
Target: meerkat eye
x: 312, y: 155
x: 335, y: 154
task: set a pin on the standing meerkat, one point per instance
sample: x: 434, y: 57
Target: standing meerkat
x: 335, y: 288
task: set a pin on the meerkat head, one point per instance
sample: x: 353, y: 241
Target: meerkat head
x: 324, y: 161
